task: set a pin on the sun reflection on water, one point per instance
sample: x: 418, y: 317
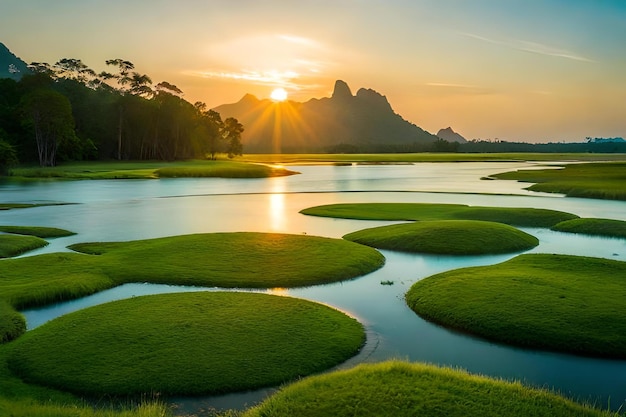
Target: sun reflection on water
x: 276, y: 209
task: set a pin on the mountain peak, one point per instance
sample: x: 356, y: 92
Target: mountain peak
x: 10, y: 65
x: 249, y: 98
x: 341, y: 90
x: 450, y: 135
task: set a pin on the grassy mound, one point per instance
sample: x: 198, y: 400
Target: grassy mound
x: 563, y: 303
x: 186, y: 344
x: 524, y: 217
x: 13, y: 245
x: 397, y: 389
x: 597, y: 227
x: 251, y: 260
x: 593, y: 180
x: 449, y: 237
x: 42, y: 232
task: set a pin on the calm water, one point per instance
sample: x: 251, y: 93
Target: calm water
x: 126, y: 210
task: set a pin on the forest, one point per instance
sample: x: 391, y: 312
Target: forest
x: 67, y: 111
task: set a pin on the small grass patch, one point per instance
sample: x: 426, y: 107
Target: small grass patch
x: 150, y: 170
x: 11, y: 206
x: 523, y: 217
x: 399, y: 389
x: 42, y: 232
x: 186, y: 344
x: 563, y: 303
x: 590, y: 180
x: 446, y: 237
x: 13, y: 245
x: 595, y: 227
x: 250, y: 260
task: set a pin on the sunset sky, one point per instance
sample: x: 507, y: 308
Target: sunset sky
x: 531, y: 70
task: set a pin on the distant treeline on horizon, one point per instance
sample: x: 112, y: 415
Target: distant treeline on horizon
x: 491, y: 146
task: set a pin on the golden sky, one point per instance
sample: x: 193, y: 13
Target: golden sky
x: 532, y: 70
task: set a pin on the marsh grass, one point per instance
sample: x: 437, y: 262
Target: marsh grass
x: 563, y: 303
x: 446, y: 237
x: 13, y: 245
x: 589, y: 180
x: 42, y: 232
x: 151, y: 170
x: 595, y: 227
x: 185, y: 344
x: 400, y: 389
x: 30, y: 408
x: 523, y: 217
x: 246, y: 260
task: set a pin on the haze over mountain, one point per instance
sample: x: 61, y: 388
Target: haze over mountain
x: 10, y: 65
x: 450, y: 135
x: 364, y: 121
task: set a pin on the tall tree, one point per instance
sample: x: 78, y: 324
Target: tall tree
x: 48, y: 114
x: 231, y: 132
x: 128, y: 83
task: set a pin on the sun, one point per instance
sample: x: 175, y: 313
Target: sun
x: 279, y: 94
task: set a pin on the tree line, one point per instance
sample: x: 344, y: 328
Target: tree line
x: 67, y: 111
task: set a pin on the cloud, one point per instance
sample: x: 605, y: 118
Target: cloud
x: 532, y: 47
x: 272, y: 77
x: 459, y: 89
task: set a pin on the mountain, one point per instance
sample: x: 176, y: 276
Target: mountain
x: 363, y: 122
x: 450, y: 135
x: 10, y: 65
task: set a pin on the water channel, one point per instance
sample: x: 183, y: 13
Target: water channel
x: 139, y: 209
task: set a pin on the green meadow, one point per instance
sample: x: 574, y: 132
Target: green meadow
x: 151, y: 170
x: 185, y: 344
x: 523, y: 217
x: 446, y: 237
x: 562, y: 303
x: 589, y: 180
x: 399, y: 389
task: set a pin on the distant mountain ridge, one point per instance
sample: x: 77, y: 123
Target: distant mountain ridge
x: 450, y: 135
x: 10, y: 65
x: 365, y: 121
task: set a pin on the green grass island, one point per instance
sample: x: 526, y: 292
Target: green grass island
x: 563, y: 303
x: 185, y: 344
x: 594, y: 227
x: 446, y: 237
x: 13, y: 245
x: 402, y: 389
x: 522, y: 217
x: 227, y: 260
x: 603, y: 180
